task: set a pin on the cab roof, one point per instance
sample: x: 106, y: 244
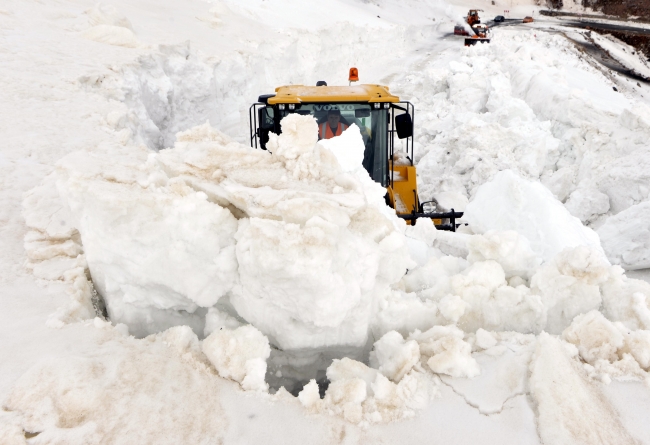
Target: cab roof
x: 293, y: 94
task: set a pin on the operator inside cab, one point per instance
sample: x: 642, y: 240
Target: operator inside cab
x: 333, y: 126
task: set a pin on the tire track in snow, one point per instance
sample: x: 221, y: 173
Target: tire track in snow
x: 569, y: 408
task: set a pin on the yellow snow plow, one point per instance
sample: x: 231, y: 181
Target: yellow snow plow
x: 380, y: 116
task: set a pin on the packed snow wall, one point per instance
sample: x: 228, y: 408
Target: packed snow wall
x: 297, y: 243
x: 176, y: 86
x: 533, y: 103
x: 477, y: 114
x: 474, y: 122
x: 214, y: 235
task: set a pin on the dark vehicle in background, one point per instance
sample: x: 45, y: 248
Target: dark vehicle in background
x: 460, y: 31
x: 499, y: 18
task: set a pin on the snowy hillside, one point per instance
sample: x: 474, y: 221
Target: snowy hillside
x: 163, y: 282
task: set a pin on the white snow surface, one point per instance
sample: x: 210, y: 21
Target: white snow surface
x: 229, y: 271
x: 571, y: 409
x: 239, y: 355
x: 509, y: 202
x: 301, y: 260
x: 626, y: 237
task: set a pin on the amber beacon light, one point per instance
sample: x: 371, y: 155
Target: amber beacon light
x: 354, y: 75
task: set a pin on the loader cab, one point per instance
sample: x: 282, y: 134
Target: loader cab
x: 386, y: 123
x: 386, y: 126
x: 473, y: 17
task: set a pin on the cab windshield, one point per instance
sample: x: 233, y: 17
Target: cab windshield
x: 372, y: 122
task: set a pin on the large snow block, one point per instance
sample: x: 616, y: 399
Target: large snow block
x: 626, y: 237
x: 305, y: 286
x: 156, y: 254
x: 300, y: 246
x: 510, y: 202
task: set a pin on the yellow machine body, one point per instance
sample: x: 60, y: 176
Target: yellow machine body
x: 294, y: 94
x: 401, y: 186
x: 403, y: 194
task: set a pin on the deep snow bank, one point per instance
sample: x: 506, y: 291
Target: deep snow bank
x: 532, y: 103
x: 481, y: 280
x: 510, y: 203
x: 626, y: 237
x: 175, y: 87
x: 297, y: 245
x: 106, y: 395
x: 307, y: 251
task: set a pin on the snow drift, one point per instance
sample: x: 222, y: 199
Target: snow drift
x: 530, y: 103
x: 294, y: 270
x: 307, y: 251
x: 295, y: 243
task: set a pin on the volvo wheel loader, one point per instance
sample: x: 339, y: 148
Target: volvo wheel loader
x: 380, y: 116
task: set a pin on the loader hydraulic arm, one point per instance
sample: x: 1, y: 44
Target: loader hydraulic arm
x: 451, y: 216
